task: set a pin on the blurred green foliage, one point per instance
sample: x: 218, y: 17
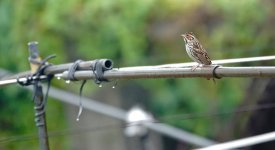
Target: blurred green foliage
x: 144, y: 32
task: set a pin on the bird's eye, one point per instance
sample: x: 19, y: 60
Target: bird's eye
x: 189, y: 37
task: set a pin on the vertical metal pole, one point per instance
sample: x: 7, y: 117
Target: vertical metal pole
x: 143, y: 142
x: 40, y: 119
x: 40, y: 116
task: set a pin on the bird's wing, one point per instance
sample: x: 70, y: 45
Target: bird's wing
x: 199, y: 50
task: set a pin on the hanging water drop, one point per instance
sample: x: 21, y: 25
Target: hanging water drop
x: 100, y: 85
x: 77, y: 119
x: 114, y: 86
x: 58, y: 78
x: 67, y: 81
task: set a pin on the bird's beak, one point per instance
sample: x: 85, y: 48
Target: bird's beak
x: 183, y: 35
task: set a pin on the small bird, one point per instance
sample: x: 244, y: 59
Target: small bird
x: 195, y: 50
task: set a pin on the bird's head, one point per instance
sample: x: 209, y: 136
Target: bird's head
x: 188, y: 37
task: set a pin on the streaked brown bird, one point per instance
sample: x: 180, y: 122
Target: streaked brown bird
x: 195, y: 50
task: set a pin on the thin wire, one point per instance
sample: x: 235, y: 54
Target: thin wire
x: 70, y: 132
x: 80, y: 100
x: 58, y: 133
x: 245, y: 109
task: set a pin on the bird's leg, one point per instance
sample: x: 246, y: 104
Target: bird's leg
x: 194, y: 67
x: 201, y: 66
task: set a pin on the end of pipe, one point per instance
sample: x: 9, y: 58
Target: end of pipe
x: 107, y: 64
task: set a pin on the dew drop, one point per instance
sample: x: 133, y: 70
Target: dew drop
x: 100, y: 85
x: 114, y: 86
x: 58, y: 78
x: 67, y: 81
x: 77, y: 119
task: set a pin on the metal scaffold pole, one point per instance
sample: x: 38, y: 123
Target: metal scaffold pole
x: 86, y: 70
x: 38, y: 98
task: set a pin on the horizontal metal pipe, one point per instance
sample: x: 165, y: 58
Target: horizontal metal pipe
x: 146, y: 73
x: 56, y: 69
x: 85, y: 65
x: 205, y: 72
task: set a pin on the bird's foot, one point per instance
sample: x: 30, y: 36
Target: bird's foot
x: 194, y: 67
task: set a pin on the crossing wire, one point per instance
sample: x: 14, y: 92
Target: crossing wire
x: 85, y: 130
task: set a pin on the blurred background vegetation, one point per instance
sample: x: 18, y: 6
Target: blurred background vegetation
x: 132, y: 33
